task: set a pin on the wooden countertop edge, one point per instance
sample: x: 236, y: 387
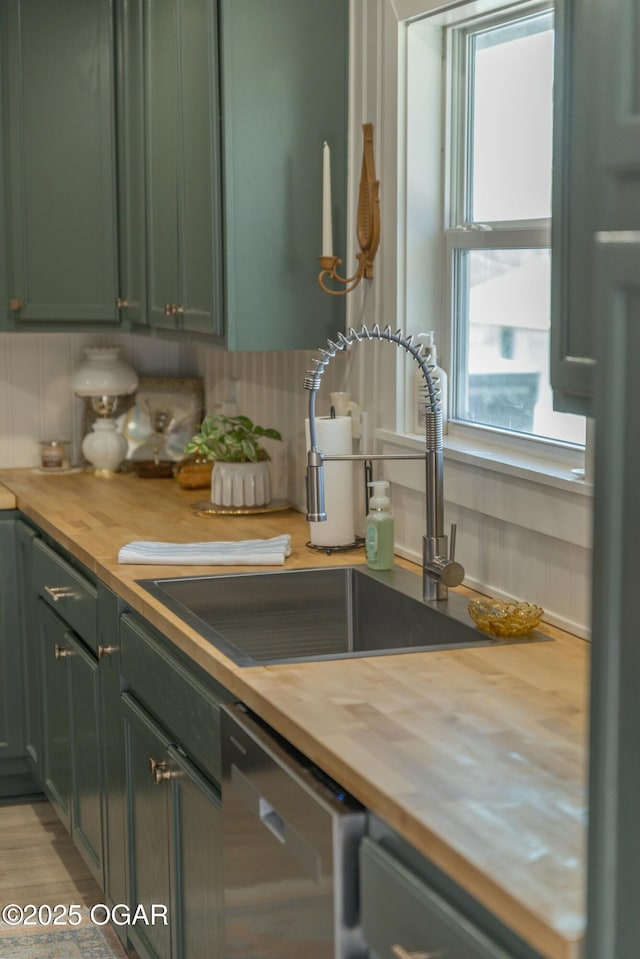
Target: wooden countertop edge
x: 539, y: 932
x: 7, y: 498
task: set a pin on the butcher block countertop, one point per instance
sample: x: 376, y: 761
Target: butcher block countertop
x: 476, y: 756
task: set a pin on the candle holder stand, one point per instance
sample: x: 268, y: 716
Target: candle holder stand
x: 368, y: 226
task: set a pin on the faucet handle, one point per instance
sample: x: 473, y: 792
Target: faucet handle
x: 452, y: 541
x: 439, y: 569
x: 446, y: 571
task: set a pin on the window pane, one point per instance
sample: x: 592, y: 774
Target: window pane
x: 503, y: 298
x: 510, y: 116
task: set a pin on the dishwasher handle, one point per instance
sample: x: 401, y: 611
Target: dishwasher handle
x: 272, y: 820
x: 295, y: 844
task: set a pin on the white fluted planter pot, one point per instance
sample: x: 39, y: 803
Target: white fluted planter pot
x: 241, y: 484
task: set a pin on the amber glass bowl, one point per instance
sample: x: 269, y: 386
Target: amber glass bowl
x: 504, y: 619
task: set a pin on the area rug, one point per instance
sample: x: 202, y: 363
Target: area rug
x: 63, y: 942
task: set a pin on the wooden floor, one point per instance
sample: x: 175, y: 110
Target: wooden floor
x: 38, y: 862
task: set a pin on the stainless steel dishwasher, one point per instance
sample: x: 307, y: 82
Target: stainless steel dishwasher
x: 290, y: 840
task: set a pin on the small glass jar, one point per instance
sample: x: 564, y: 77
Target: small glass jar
x: 54, y: 454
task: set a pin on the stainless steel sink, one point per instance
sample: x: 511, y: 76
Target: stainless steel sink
x: 300, y: 615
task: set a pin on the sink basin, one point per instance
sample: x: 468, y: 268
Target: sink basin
x: 301, y: 615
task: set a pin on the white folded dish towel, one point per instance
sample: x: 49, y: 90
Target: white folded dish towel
x: 248, y: 552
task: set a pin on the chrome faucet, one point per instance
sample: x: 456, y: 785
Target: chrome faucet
x: 439, y: 567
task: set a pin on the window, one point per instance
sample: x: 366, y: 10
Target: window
x: 494, y: 135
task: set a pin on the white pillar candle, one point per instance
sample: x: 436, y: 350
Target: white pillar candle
x: 327, y: 227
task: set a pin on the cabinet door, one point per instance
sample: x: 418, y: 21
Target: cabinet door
x: 575, y: 210
x: 29, y: 642
x: 199, y: 206
x: 130, y: 141
x: 114, y: 801
x: 4, y: 290
x: 11, y: 726
x: 60, y: 150
x: 161, y: 59
x: 284, y: 88
x: 182, y: 170
x: 614, y: 846
x: 56, y: 739
x: 596, y: 159
x: 403, y: 916
x: 196, y: 862
x: 147, y: 827
x: 86, y: 816
x: 614, y: 796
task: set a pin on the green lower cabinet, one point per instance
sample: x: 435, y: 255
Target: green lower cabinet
x: 173, y: 819
x: 147, y: 822
x: 15, y: 777
x: 196, y: 862
x: 113, y: 772
x: 11, y: 732
x: 56, y: 718
x: 71, y: 763
x: 86, y: 815
x: 32, y: 685
x: 410, y: 908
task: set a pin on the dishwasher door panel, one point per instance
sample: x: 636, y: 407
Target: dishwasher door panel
x: 290, y: 845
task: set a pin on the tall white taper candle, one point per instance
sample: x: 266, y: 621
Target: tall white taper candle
x: 327, y: 227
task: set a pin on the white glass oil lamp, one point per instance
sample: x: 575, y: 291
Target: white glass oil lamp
x: 104, y: 377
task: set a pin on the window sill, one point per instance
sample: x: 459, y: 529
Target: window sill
x: 522, y: 461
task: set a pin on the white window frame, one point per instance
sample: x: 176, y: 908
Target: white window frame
x: 426, y: 292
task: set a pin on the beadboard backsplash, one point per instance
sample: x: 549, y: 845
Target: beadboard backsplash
x: 501, y: 557
x: 268, y: 387
x: 36, y: 401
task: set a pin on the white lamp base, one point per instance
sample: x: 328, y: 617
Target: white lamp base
x: 105, y: 448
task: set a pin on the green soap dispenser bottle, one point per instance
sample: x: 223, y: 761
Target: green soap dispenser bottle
x: 379, y: 528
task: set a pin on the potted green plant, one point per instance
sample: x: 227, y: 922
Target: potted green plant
x: 241, y: 475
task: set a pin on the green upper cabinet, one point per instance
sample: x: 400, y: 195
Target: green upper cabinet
x: 4, y: 293
x: 577, y: 209
x: 170, y: 86
x: 235, y: 99
x: 595, y: 178
x: 162, y: 167
x: 284, y: 92
x: 57, y: 76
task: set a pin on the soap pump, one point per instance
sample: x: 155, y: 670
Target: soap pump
x: 379, y: 527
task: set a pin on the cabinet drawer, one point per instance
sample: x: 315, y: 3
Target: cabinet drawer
x: 67, y: 591
x: 402, y: 916
x: 175, y: 696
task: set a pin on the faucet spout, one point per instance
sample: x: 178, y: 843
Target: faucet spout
x: 440, y: 569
